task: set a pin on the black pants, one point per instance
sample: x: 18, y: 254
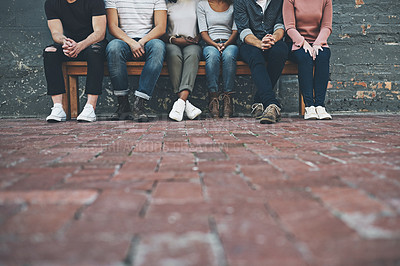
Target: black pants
x: 95, y: 57
x: 264, y: 77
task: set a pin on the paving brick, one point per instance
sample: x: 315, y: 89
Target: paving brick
x: 71, y: 252
x: 177, y: 192
x: 38, y: 222
x: 48, y: 197
x: 191, y: 248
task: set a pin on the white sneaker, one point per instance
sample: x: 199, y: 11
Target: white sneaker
x: 177, y: 110
x: 191, y: 111
x: 322, y: 114
x: 57, y: 114
x: 87, y: 114
x: 310, y: 113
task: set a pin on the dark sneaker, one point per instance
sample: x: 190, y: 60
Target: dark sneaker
x: 123, y: 111
x: 271, y: 114
x: 138, y: 113
x: 257, y: 110
x: 228, y: 104
x: 214, y: 104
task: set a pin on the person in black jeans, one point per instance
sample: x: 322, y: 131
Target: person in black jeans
x: 261, y: 29
x: 78, y: 30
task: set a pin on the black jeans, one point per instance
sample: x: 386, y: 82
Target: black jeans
x: 312, y: 85
x: 95, y: 57
x: 265, y: 77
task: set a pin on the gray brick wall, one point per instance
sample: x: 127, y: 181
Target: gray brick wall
x: 365, y: 66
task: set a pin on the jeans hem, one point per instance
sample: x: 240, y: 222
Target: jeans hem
x: 142, y: 95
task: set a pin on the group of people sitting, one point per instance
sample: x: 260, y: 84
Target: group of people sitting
x: 183, y: 32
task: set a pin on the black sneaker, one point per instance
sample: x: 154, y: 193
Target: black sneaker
x: 138, y: 113
x: 271, y: 114
x: 257, y: 110
x: 123, y: 111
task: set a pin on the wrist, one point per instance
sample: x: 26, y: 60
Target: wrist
x: 171, y: 38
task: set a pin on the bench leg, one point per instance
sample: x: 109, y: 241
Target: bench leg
x: 302, y: 106
x: 65, y: 98
x: 73, y: 95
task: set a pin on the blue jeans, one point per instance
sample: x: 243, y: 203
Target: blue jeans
x: 313, y: 85
x: 265, y: 77
x: 118, y: 53
x: 213, y: 58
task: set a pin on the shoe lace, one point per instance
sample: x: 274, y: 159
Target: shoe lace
x: 255, y: 106
x: 272, y: 109
x: 212, y: 102
x: 226, y: 96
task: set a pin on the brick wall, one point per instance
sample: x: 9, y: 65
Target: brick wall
x: 365, y: 66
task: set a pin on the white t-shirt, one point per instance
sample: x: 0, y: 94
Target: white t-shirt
x: 263, y: 3
x: 136, y: 16
x: 182, y: 18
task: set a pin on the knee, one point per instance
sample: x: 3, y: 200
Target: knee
x: 50, y: 51
x: 96, y: 50
x: 210, y: 55
x: 324, y: 55
x: 114, y: 48
x: 155, y: 47
x: 230, y: 53
x: 280, y: 51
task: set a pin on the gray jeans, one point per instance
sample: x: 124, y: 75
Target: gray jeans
x: 183, y: 64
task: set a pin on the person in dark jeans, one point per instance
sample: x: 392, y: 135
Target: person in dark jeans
x: 261, y: 29
x: 309, y: 24
x: 78, y: 30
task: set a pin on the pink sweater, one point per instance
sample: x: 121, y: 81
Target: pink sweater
x: 309, y: 20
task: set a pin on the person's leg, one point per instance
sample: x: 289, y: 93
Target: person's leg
x: 254, y: 57
x: 229, y: 56
x: 190, y: 62
x: 321, y: 76
x: 305, y: 67
x: 174, y: 59
x: 276, y: 58
x: 154, y: 56
x: 118, y: 53
x: 191, y: 58
x: 52, y: 58
x: 95, y: 57
x: 213, y: 58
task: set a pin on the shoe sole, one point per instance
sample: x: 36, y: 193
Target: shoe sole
x: 55, y: 121
x: 267, y: 121
x: 85, y: 121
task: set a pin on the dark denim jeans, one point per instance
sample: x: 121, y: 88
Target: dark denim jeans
x: 213, y: 63
x: 312, y: 85
x: 265, y: 77
x: 118, y: 53
x: 94, y: 55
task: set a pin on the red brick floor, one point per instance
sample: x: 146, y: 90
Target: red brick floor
x: 208, y: 192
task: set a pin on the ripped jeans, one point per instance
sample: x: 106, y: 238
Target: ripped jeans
x: 95, y: 57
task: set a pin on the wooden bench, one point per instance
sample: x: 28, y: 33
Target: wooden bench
x: 73, y: 69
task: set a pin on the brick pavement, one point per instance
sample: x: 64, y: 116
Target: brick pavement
x: 207, y: 192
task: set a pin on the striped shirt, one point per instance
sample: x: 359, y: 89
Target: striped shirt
x: 136, y: 16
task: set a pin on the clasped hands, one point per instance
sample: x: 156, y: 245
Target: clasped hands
x: 71, y: 48
x: 312, y: 50
x: 267, y: 42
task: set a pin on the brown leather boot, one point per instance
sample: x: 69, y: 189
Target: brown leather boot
x: 214, y: 104
x: 228, y: 104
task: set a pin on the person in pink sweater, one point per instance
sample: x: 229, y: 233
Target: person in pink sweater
x: 309, y: 23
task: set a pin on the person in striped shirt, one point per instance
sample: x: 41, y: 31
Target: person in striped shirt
x: 137, y: 26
